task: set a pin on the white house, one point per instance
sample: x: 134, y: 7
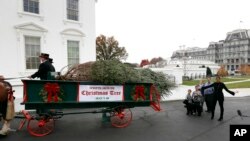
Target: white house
x: 65, y: 29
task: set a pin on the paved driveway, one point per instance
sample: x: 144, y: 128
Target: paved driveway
x: 171, y: 124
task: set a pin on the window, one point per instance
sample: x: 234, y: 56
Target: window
x: 235, y: 36
x: 31, y: 6
x: 237, y: 67
x: 232, y: 67
x: 72, y: 10
x: 32, y: 51
x: 73, y: 52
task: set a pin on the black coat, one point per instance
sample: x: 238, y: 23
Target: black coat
x: 43, y: 70
x: 218, y: 87
x: 52, y: 68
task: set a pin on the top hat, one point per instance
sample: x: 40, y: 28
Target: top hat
x: 44, y: 55
x: 51, y: 60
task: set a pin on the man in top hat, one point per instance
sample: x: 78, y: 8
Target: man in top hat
x: 51, y: 61
x: 44, y: 68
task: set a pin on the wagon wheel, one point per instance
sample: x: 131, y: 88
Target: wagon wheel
x: 120, y: 116
x: 41, y: 126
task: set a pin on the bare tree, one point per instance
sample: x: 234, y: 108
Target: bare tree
x: 107, y: 48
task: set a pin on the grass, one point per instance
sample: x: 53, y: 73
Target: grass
x: 239, y: 85
x: 224, y: 79
x: 191, y: 82
x: 231, y: 79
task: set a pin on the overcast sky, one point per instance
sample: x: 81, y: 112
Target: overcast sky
x: 153, y: 28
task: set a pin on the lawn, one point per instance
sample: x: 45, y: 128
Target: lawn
x: 191, y: 82
x: 239, y: 85
x: 224, y: 79
x: 195, y: 82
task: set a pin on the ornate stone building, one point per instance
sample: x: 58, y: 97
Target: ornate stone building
x: 232, y: 52
x: 236, y: 49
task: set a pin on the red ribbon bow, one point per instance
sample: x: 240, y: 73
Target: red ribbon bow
x: 52, y: 90
x: 139, y: 92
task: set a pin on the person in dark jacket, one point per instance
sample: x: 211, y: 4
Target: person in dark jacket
x: 44, y: 68
x: 218, y: 96
x: 208, y: 95
x: 51, y: 61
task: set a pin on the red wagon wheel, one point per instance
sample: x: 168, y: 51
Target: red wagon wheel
x: 42, y: 126
x: 121, y: 116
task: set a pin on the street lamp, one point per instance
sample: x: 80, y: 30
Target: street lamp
x: 185, y: 62
x: 184, y: 57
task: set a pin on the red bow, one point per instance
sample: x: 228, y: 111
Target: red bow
x: 139, y: 92
x: 52, y: 90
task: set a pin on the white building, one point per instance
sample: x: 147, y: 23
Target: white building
x: 65, y: 29
x: 173, y: 74
x: 192, y: 68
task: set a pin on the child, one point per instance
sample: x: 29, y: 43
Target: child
x: 188, y: 102
x: 197, y: 100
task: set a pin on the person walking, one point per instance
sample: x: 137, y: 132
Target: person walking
x: 218, y: 96
x: 44, y: 68
x: 208, y: 95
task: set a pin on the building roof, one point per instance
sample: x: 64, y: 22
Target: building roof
x: 238, y: 34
